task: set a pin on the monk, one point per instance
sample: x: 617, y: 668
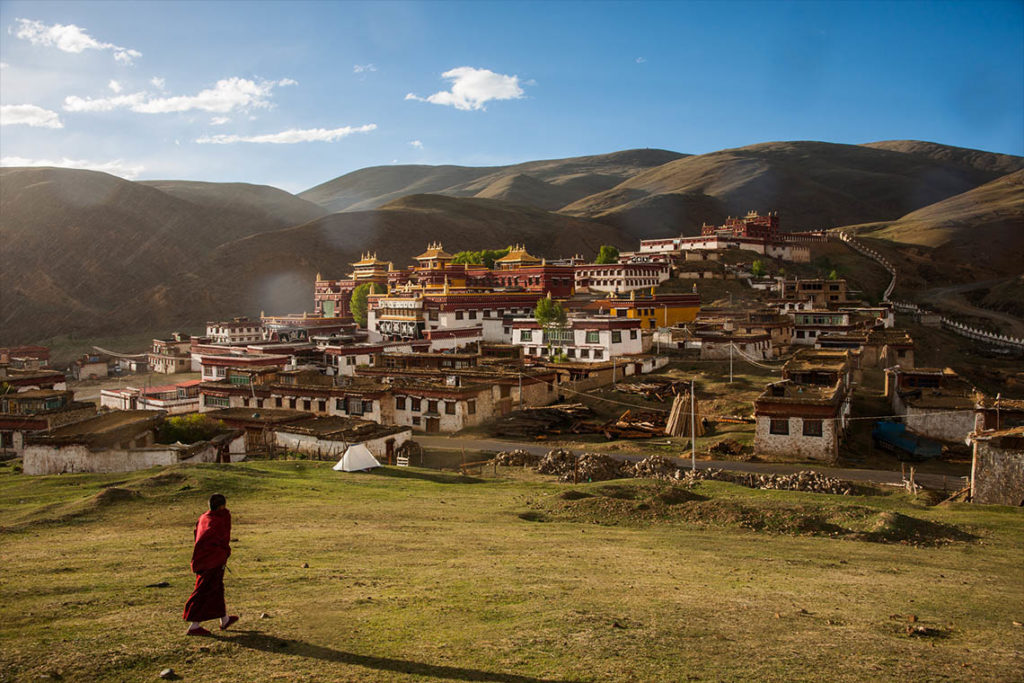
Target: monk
x: 209, y: 560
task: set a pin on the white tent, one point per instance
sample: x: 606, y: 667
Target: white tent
x: 358, y: 457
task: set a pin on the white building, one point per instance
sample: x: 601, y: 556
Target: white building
x: 621, y: 277
x: 590, y: 340
x: 235, y: 331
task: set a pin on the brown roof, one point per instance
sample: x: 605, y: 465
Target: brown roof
x: 106, y: 429
x: 337, y: 428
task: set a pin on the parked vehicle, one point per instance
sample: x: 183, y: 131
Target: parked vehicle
x: 893, y: 436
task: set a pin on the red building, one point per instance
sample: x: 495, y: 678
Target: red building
x: 752, y: 225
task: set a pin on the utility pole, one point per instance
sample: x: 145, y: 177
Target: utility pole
x: 693, y: 427
x: 730, y: 361
x: 520, y: 390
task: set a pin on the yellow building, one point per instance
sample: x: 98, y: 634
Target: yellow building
x: 657, y: 310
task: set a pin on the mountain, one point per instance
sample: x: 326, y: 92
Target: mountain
x: 572, y: 178
x: 811, y: 185
x: 87, y: 251
x: 1000, y: 164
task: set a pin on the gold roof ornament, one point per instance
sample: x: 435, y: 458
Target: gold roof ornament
x: 632, y: 295
x: 318, y: 278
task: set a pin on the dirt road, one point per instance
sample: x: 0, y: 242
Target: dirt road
x: 949, y: 298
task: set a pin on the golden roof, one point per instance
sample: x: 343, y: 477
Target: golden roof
x: 434, y: 251
x: 518, y: 254
x: 369, y: 259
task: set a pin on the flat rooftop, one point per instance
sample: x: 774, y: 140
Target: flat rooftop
x: 337, y: 428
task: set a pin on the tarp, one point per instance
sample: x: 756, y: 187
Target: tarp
x: 356, y: 458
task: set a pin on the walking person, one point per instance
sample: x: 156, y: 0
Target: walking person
x: 209, y: 560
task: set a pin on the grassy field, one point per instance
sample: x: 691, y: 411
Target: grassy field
x: 416, y: 575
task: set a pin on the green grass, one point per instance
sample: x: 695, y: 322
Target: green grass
x: 417, y: 575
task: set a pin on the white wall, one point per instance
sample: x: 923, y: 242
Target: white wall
x: 45, y: 459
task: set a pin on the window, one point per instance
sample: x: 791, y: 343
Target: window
x: 259, y: 403
x: 593, y: 337
x: 367, y: 407
x: 449, y: 407
x: 779, y: 426
x: 471, y: 406
x: 306, y: 404
x: 416, y: 422
x: 220, y: 401
x: 354, y: 406
x: 400, y: 403
x: 472, y: 315
x: 431, y: 406
x: 525, y: 335
x: 812, y: 427
x: 291, y: 403
x: 584, y: 353
x: 598, y: 353
x: 245, y: 401
x: 632, y: 334
x: 799, y: 334
x: 321, y: 406
x: 339, y: 404
x: 416, y: 405
x: 277, y: 402
x: 458, y: 315
x: 616, y: 337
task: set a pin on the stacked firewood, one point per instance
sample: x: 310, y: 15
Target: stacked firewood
x: 568, y: 418
x: 516, y: 458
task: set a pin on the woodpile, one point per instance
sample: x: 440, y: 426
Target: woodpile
x: 567, y: 418
x: 516, y: 458
x: 682, y: 416
x: 635, y: 424
x: 727, y: 447
x: 655, y: 390
x: 807, y: 481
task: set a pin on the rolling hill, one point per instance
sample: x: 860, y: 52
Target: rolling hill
x: 549, y: 184
x: 811, y: 184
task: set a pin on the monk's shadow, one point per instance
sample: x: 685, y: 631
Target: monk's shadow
x: 256, y: 640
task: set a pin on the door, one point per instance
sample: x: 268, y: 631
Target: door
x: 433, y: 425
x: 389, y: 445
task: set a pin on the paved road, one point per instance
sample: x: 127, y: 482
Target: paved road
x: 934, y: 481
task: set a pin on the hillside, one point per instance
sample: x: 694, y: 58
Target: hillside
x: 274, y: 271
x: 408, y: 574
x: 1000, y: 164
x: 811, y: 185
x: 86, y: 252
x: 551, y: 183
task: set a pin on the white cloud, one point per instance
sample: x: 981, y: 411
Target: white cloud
x: 115, y: 86
x: 4, y: 65
x: 641, y: 60
x: 158, y: 82
x: 116, y: 167
x: 70, y: 38
x: 29, y: 115
x: 472, y: 88
x: 361, y: 68
x: 75, y: 103
x: 290, y: 136
x: 220, y: 120
x: 287, y: 81
x: 227, y: 95
x: 416, y: 143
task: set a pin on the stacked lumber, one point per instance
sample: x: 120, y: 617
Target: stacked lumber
x: 680, y: 419
x: 635, y: 424
x: 567, y: 418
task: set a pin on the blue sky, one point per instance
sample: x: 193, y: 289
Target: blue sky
x: 294, y: 94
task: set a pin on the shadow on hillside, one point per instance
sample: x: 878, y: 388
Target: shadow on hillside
x: 256, y: 640
x: 436, y: 476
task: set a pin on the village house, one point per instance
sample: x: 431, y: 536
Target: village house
x: 170, y: 356
x: 407, y: 314
x: 822, y: 293
x: 592, y: 339
x: 934, y: 402
x: 29, y: 358
x: 215, y: 366
x: 26, y: 412
x: 808, y: 326
x: 803, y: 421
x: 330, y: 437
x: 91, y: 366
x: 879, y: 348
x: 997, y: 467
x: 998, y: 413
x: 257, y: 426
x: 30, y: 380
x: 823, y: 367
x: 118, y: 441
x: 173, y: 399
x: 305, y: 327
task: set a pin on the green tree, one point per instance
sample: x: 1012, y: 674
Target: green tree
x: 189, y: 429
x: 549, y: 313
x: 757, y: 268
x: 357, y: 305
x: 485, y: 256
x: 833, y: 275
x: 607, y: 254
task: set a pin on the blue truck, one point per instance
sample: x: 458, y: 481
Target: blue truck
x: 893, y: 436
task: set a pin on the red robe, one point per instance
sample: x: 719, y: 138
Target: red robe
x: 210, y: 555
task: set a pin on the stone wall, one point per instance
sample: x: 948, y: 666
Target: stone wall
x: 997, y: 475
x: 944, y: 425
x: 307, y: 443
x: 47, y: 459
